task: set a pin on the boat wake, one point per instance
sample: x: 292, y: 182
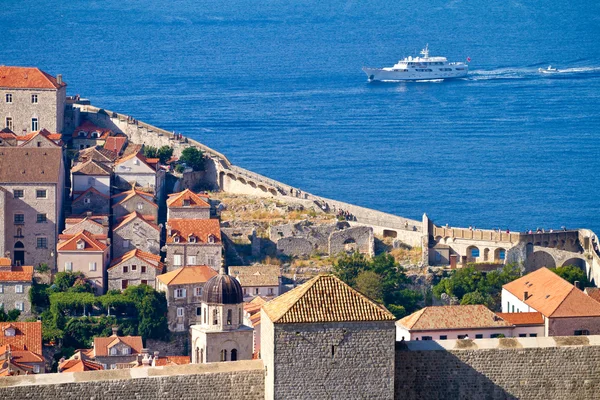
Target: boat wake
x: 532, y: 73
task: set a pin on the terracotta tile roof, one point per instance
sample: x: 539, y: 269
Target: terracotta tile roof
x: 91, y: 243
x: 177, y: 200
x: 452, y: 317
x: 88, y: 127
x: 26, y: 356
x: 172, y: 360
x: 133, y: 193
x: 257, y: 275
x: 55, y: 138
x: 522, y: 318
x: 17, y: 274
x: 5, y: 262
x: 153, y: 260
x: 187, y: 275
x: 7, y: 134
x: 28, y: 336
x: 254, y: 306
x: 140, y: 157
x: 593, y: 292
x: 91, y: 167
x: 96, y: 219
x: 133, y: 216
x: 77, y: 365
x: 93, y: 190
x: 551, y: 295
x: 28, y: 78
x: 200, y: 228
x: 325, y: 298
x: 30, y: 165
x: 97, y: 153
x: 103, y: 344
x: 115, y: 143
x: 255, y: 319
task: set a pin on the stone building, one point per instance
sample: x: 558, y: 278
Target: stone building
x: 193, y: 242
x: 258, y: 280
x: 135, y: 231
x: 566, y: 309
x: 31, y: 203
x: 183, y: 288
x: 21, y: 348
x: 88, y: 135
x: 135, y: 267
x: 31, y: 99
x: 15, y: 283
x: 323, y: 339
x: 96, y: 225
x: 116, y: 144
x: 113, y: 350
x: 187, y: 205
x: 80, y: 361
x: 86, y: 253
x: 91, y: 174
x: 221, y: 335
x: 98, y: 154
x: 90, y: 201
x: 135, y: 169
x: 134, y: 200
x: 42, y: 138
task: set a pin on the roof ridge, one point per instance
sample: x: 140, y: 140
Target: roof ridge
x: 563, y: 300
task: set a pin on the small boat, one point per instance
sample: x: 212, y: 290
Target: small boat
x: 419, y: 68
x: 548, y: 70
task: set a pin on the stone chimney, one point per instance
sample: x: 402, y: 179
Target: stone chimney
x: 525, y: 296
x: 59, y: 79
x: 115, y: 330
x: 577, y: 284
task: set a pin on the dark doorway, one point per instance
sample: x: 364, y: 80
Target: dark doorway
x: 19, y: 254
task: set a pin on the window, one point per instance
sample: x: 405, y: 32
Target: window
x: 198, y: 292
x: 34, y: 124
x: 124, y: 283
x: 10, y: 332
x: 9, y: 123
x: 87, y: 200
x: 18, y: 288
x: 1, y: 289
x: 36, y: 369
x: 95, y: 135
x: 34, y: 99
x: 176, y: 239
x: 180, y: 328
x: 581, y: 332
x: 223, y: 355
x: 475, y: 252
x: 179, y: 293
x: 19, y: 305
x: 42, y: 243
x: 443, y: 337
x: 245, y: 291
x: 228, y: 317
x: 215, y: 317
x: 533, y: 335
x: 140, y: 206
x: 41, y: 193
x: 41, y: 218
x: 479, y: 336
x: 192, y: 239
x: 113, y: 351
x: 211, y: 261
x: 134, y: 267
x: 205, y: 312
x: 234, y: 355
x: 191, y: 260
x: 68, y: 266
x: 18, y: 193
x: 256, y: 291
x: 180, y: 311
x: 177, y: 259
x: 502, y: 254
x: 9, y: 98
x: 126, y: 351
x: 92, y: 266
x: 271, y: 291
x: 19, y: 219
x: 125, y: 243
x: 426, y: 338
x: 39, y: 144
x: 496, y: 335
x: 80, y: 245
x: 143, y: 269
x: 522, y: 335
x: 186, y: 202
x: 239, y: 315
x: 144, y: 282
x: 211, y: 239
x: 198, y: 311
x: 125, y: 269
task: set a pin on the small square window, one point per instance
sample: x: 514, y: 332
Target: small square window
x: 522, y: 335
x: 198, y: 291
x: 125, y: 269
x: 144, y: 282
x: 9, y: 123
x: 19, y: 218
x: 443, y: 337
x: 479, y: 336
x: 9, y: 98
x: 42, y: 243
x: 92, y: 266
x: 41, y: 193
x: 198, y: 311
x: 18, y: 193
x: 18, y: 288
x: 68, y: 266
x: 34, y: 99
x: 125, y: 243
x: 143, y: 269
x: 180, y: 311
x: 20, y: 306
x: 41, y: 218
x: 134, y: 267
x: 533, y: 335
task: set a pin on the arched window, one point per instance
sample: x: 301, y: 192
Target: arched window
x: 215, y: 317
x: 223, y: 355
x: 198, y: 355
x: 228, y: 317
x: 234, y: 355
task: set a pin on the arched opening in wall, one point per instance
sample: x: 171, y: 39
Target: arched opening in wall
x: 447, y: 240
x: 252, y: 184
x: 539, y: 259
x: 262, y: 187
x: 472, y: 253
x: 232, y: 177
x: 499, y: 255
x: 538, y: 243
x: 576, y: 261
x: 438, y: 239
x: 561, y: 245
x: 545, y: 244
x: 242, y: 180
x: 528, y: 249
x: 388, y: 233
x: 486, y: 254
x: 197, y: 359
x: 223, y: 356
x: 553, y: 244
x: 273, y: 191
x: 19, y: 254
x: 221, y: 179
x: 233, y: 354
x: 350, y: 245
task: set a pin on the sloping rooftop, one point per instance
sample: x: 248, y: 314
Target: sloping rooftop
x: 553, y: 296
x: 103, y: 344
x: 593, y: 292
x: 452, y: 317
x: 28, y: 336
x: 139, y: 155
x: 325, y: 298
x: 522, y: 318
x: 27, y: 78
x: 88, y: 128
x: 188, y: 275
x: 152, y: 259
x: 97, y: 153
x: 30, y: 165
x: 133, y: 216
x: 90, y: 242
x: 80, y: 196
x: 256, y: 275
x: 54, y: 138
x: 17, y: 274
x: 78, y: 365
x: 187, y: 198
x: 115, y: 143
x: 125, y: 196
x: 91, y: 167
x: 199, y: 228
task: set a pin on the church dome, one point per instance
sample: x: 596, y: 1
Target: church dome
x: 222, y: 289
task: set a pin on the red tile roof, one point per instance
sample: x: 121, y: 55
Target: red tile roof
x: 132, y: 193
x: 25, y: 356
x: 27, y: 78
x: 88, y: 127
x: 200, y: 228
x: 115, y: 143
x: 17, y: 274
x: 91, y: 167
x: 136, y: 215
x: 103, y: 344
x: 91, y: 243
x: 131, y: 155
x: 5, y: 262
x: 523, y: 318
x: 97, y: 153
x: 177, y: 200
x: 593, y: 292
x: 188, y: 275
x: 172, y: 360
x: 553, y: 296
x: 30, y: 165
x: 452, y: 317
x: 152, y: 259
x: 79, y: 195
x: 28, y: 336
x: 77, y: 365
x: 54, y: 138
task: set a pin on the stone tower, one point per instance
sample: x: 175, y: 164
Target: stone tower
x: 325, y: 340
x: 221, y: 335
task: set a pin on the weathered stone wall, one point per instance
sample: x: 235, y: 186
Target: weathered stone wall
x: 49, y: 110
x: 357, y: 238
x: 232, y: 380
x: 294, y: 246
x: 9, y: 296
x: 500, y: 369
x: 97, y: 205
x: 140, y: 235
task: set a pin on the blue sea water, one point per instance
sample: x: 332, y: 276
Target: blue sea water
x: 278, y: 87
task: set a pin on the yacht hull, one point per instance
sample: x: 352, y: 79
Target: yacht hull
x: 382, y: 74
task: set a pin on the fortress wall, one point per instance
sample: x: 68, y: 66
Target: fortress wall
x: 524, y: 368
x: 232, y: 380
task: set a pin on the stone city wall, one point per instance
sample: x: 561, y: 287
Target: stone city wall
x: 356, y: 238
x: 523, y: 368
x: 232, y: 380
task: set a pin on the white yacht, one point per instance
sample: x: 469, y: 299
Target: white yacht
x: 419, y: 68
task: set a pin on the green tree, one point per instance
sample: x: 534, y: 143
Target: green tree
x: 63, y: 281
x: 11, y: 316
x: 572, y: 274
x: 151, y: 307
x: 164, y: 154
x: 149, y: 151
x: 38, y: 295
x: 193, y: 158
x: 348, y: 266
x: 478, y: 298
x: 369, y: 283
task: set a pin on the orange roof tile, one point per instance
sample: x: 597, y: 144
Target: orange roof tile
x: 325, y: 298
x: 88, y: 127
x: 452, y: 317
x: 522, y: 318
x: 28, y: 336
x: 128, y: 195
x: 152, y: 259
x: 52, y: 137
x: 131, y: 155
x: 135, y: 215
x: 90, y: 242
x: 172, y: 360
x: 5, y: 262
x: 187, y: 275
x: 76, y: 365
x: 177, y: 200
x: 553, y: 296
x: 200, y: 228
x: 102, y: 344
x: 115, y: 143
x: 91, y: 167
x: 22, y: 273
x: 26, y: 356
x: 97, y: 153
x: 28, y: 78
x: 593, y: 292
